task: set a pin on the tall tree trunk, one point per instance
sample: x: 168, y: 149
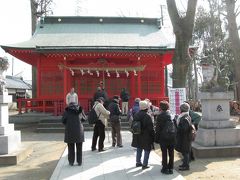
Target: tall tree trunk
x: 235, y: 42
x: 183, y: 28
x: 34, y: 69
x: 181, y: 60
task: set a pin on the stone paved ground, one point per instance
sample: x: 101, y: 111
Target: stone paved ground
x: 48, y: 148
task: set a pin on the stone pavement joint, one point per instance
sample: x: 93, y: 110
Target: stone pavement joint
x: 113, y: 164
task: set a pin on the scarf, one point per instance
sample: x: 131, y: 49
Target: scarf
x: 181, y: 115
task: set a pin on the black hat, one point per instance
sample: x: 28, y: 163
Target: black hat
x: 101, y: 99
x: 116, y: 97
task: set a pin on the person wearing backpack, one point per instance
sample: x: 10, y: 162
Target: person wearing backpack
x: 165, y: 135
x: 74, y: 133
x: 135, y: 108
x: 115, y: 112
x: 101, y: 123
x: 184, y: 132
x: 144, y: 140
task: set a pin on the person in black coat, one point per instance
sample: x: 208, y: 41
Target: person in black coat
x: 184, y: 140
x: 100, y: 93
x: 166, y: 144
x: 145, y: 140
x: 115, y: 112
x: 74, y: 133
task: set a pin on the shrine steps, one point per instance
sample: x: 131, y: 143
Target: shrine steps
x: 54, y: 125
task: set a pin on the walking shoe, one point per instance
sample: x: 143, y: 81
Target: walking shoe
x: 192, y: 158
x: 94, y: 149
x: 145, y: 167
x: 183, y: 168
x: 170, y: 171
x: 164, y: 171
x: 101, y: 150
x: 113, y: 145
x: 71, y: 164
x: 138, y: 164
x: 120, y: 146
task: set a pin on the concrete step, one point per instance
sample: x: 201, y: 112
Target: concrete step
x: 32, y: 117
x: 15, y: 157
x: 50, y: 130
x: 59, y: 127
x: 62, y: 129
x: 50, y: 125
x: 54, y: 124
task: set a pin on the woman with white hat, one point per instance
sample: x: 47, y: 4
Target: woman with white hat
x: 144, y: 140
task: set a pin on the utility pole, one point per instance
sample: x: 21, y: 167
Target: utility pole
x: 12, y: 65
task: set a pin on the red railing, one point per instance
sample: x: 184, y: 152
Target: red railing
x: 55, y: 106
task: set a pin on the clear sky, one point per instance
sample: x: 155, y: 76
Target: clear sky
x: 15, y: 27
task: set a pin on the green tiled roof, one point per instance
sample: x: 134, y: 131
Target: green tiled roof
x: 98, y: 33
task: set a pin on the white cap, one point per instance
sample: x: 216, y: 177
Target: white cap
x: 143, y: 105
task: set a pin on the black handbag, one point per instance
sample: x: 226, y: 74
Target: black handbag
x: 114, y: 118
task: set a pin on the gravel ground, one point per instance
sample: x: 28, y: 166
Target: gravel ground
x: 209, y: 168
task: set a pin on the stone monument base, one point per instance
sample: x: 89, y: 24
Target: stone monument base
x: 218, y: 137
x: 10, y: 142
x: 17, y: 156
x: 215, y: 151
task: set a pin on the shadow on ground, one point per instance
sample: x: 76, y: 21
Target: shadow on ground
x: 208, y: 168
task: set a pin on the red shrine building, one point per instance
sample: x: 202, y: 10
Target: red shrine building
x: 81, y: 52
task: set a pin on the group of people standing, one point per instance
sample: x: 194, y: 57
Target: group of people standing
x: 170, y: 133
x: 151, y: 132
x: 106, y: 111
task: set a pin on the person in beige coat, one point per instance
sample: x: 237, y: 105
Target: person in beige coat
x: 101, y: 123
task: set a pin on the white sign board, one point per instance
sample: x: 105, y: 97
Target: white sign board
x: 177, y: 96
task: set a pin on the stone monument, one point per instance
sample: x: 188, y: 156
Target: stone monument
x: 217, y: 135
x: 10, y: 139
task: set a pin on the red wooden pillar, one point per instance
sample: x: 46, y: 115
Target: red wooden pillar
x: 139, y: 84
x: 132, y: 86
x: 162, y: 80
x: 39, y: 77
x: 65, y: 82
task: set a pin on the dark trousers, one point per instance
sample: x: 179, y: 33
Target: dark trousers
x: 185, y: 159
x: 167, y: 151
x: 71, y: 152
x: 116, y: 133
x: 139, y: 156
x: 98, y: 131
